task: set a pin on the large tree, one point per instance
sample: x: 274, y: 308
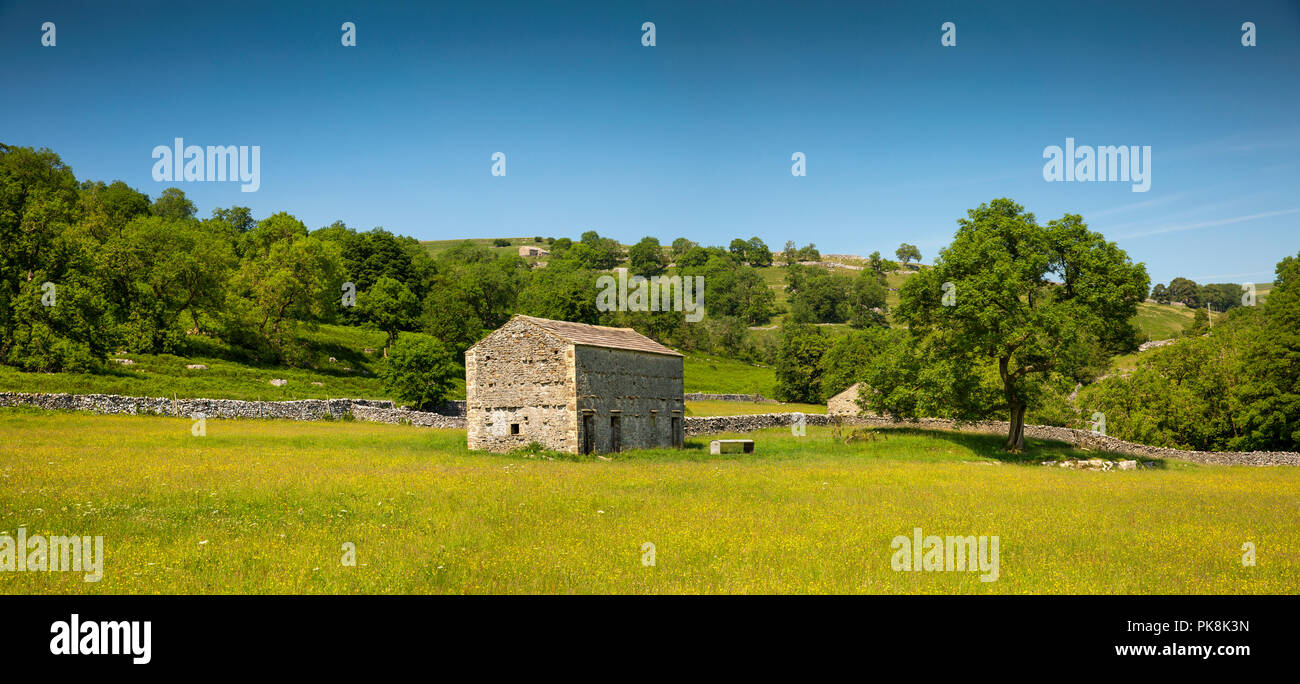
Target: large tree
x: 388, y: 305
x: 646, y: 258
x: 906, y: 253
x: 1007, y: 306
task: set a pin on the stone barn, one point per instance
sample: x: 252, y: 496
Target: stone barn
x: 572, y: 387
x: 845, y: 403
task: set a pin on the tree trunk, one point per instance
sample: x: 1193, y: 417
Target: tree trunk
x: 1016, y: 434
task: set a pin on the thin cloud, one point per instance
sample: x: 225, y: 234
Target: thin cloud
x: 1135, y: 206
x: 1211, y: 224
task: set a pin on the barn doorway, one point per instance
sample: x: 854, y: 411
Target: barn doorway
x: 588, y: 433
x: 677, y: 432
x: 615, y: 433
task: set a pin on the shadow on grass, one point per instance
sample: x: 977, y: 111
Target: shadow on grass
x: 990, y: 446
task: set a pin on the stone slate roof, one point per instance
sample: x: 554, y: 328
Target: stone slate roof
x: 599, y: 335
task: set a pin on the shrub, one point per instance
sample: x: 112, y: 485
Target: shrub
x: 419, y: 370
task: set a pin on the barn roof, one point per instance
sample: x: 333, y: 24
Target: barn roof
x: 599, y: 335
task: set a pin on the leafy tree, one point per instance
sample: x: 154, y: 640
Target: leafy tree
x: 562, y: 294
x: 160, y: 271
x: 1221, y: 296
x: 819, y: 296
x: 757, y: 253
x: 681, y: 245
x: 736, y: 291
x: 866, y: 302
x: 1160, y: 294
x: 906, y: 253
x: 173, y: 204
x: 790, y: 255
x: 472, y: 291
x: 798, y: 366
x: 646, y: 258
x: 388, y: 305
x: 106, y: 209
x: 500, y: 242
x: 844, y: 361
x: 238, y: 218
x: 596, y: 252
x: 1270, y: 391
x: 738, y: 248
x: 39, y: 207
x: 1008, y: 304
x: 876, y: 265
x: 697, y: 257
x: 1185, y: 291
x: 420, y: 370
x: 1199, y: 324
x: 286, y: 277
x: 377, y: 253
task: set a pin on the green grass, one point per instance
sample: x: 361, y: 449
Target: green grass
x: 265, y: 506
x: 738, y: 408
x: 227, y: 375
x: 718, y: 375
x: 435, y: 247
x: 1164, y: 321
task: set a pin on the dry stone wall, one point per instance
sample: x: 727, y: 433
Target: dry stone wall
x: 401, y: 416
x: 1080, y: 438
x: 705, y: 396
x: 306, y: 409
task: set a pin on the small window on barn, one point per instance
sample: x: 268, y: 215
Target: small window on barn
x: 514, y: 428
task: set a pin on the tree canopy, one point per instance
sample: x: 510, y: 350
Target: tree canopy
x: 1007, y: 304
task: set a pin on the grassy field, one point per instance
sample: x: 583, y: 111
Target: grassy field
x: 265, y: 506
x: 1163, y: 321
x: 718, y: 375
x: 736, y: 408
x: 228, y: 377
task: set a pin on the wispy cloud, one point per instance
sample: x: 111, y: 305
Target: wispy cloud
x: 1268, y: 275
x: 1135, y: 206
x: 1211, y: 224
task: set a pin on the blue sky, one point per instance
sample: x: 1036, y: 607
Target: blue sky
x: 692, y: 137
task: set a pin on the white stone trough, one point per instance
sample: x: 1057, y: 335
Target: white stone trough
x: 731, y: 446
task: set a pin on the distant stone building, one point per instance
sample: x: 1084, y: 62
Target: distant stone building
x: 572, y: 387
x: 526, y: 251
x: 845, y: 403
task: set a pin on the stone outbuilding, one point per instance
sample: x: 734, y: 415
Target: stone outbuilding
x: 572, y: 387
x: 527, y: 251
x: 845, y: 403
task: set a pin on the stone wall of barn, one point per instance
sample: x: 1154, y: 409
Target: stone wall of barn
x: 641, y: 391
x: 845, y: 403
x: 518, y: 386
